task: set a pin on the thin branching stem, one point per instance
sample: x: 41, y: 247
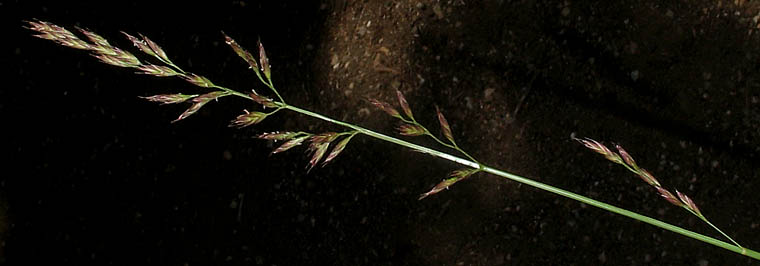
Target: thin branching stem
x: 452, y: 146
x: 171, y: 64
x: 271, y: 86
x: 427, y: 132
x: 703, y: 218
x: 231, y: 91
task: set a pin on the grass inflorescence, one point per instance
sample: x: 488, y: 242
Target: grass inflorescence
x: 326, y: 147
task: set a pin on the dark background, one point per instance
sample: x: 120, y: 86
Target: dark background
x: 97, y: 176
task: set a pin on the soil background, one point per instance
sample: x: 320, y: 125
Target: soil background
x: 96, y: 176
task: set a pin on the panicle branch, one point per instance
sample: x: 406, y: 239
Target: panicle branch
x: 244, y: 54
x: 58, y: 34
x: 411, y: 127
x: 318, y: 147
x: 625, y: 159
x: 109, y: 54
x: 455, y: 176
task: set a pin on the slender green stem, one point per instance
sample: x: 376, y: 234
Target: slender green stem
x: 168, y: 62
x: 631, y: 169
x: 721, y: 232
x: 713, y: 226
x: 427, y: 132
x: 172, y: 65
x: 271, y: 86
x: 454, y: 146
x: 466, y: 154
x: 232, y: 92
x: 451, y: 146
x: 352, y: 133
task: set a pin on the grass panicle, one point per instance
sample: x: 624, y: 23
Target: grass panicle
x: 325, y: 147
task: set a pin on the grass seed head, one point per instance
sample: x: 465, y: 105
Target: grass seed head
x: 169, y: 98
x: 266, y: 102
x: 124, y: 59
x: 190, y: 111
x: 688, y: 202
x: 242, y: 53
x: 445, y: 128
x: 290, y: 144
x: 648, y: 177
x: 411, y: 130
x: 247, y: 119
x: 210, y: 96
x: 626, y: 157
x: 100, y: 45
x: 593, y: 145
x: 199, y: 102
x: 404, y: 104
x: 95, y: 38
x: 58, y: 34
x: 319, y: 151
x: 669, y: 196
x: 463, y: 173
x: 197, y: 80
x: 454, y: 177
x: 336, y: 150
x: 265, y: 68
x: 156, y: 70
x: 157, y: 51
x: 101, y: 49
x: 278, y: 135
x: 439, y: 187
x: 601, y: 149
x: 385, y: 107
x: 140, y: 44
x: 326, y: 137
